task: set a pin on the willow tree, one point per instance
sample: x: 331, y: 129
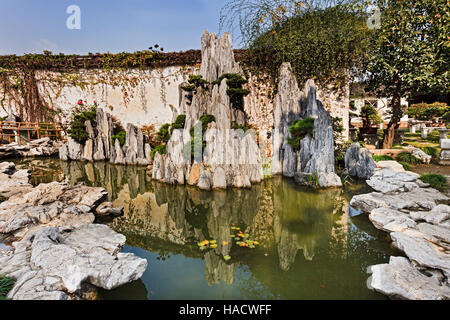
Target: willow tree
x: 411, y: 53
x: 326, y: 40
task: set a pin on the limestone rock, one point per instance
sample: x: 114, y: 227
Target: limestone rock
x: 422, y: 156
x: 400, y: 280
x: 194, y: 174
x: 107, y: 209
x: 50, y: 262
x: 219, y: 179
x: 74, y: 149
x: 204, y: 181
x: 359, y: 162
x: 286, y: 110
x: 421, y: 251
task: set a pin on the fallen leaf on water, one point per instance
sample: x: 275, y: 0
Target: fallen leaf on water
x: 224, y: 243
x: 227, y: 257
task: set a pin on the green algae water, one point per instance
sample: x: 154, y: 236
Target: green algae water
x: 309, y: 247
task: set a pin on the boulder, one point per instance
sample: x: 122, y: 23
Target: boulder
x: 399, y: 279
x: 204, y: 181
x: 107, y: 209
x: 49, y: 263
x: 359, y: 162
x: 219, y: 179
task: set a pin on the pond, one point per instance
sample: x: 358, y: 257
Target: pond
x: 308, y: 247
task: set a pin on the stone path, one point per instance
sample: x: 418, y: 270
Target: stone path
x: 417, y: 217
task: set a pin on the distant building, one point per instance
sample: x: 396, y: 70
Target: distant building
x: 382, y: 106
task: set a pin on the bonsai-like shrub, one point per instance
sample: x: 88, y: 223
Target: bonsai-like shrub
x: 161, y: 149
x: 179, y: 123
x: 195, y: 81
x: 299, y: 129
x: 436, y: 181
x: 163, y: 134
x: 80, y: 115
x: 205, y: 119
x: 121, y: 136
x: 370, y: 117
x: 235, y: 90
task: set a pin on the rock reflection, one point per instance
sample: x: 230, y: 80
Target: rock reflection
x: 294, y: 226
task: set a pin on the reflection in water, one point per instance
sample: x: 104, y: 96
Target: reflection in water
x: 309, y: 247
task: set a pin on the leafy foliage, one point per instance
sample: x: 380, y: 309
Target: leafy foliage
x: 370, y: 117
x: 436, y: 181
x: 179, y: 123
x: 322, y: 39
x: 161, y: 149
x: 80, y: 115
x: 6, y: 284
x: 235, y: 90
x: 121, y: 136
x: 433, y: 152
x: 426, y: 111
x: 407, y: 157
x: 378, y: 158
x: 411, y: 53
x: 195, y: 81
x: 299, y: 129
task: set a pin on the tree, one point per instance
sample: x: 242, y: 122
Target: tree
x: 322, y: 39
x: 411, y: 53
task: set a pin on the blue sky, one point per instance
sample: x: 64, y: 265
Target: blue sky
x: 31, y: 26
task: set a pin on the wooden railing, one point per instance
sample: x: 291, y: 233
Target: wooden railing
x: 9, y: 131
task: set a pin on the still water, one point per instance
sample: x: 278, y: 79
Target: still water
x: 309, y: 247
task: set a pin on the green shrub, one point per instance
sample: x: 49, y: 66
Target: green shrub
x: 369, y: 115
x: 446, y: 116
x: 205, y: 120
x: 405, y: 165
x: 6, y: 284
x: 3, y: 118
x: 427, y: 111
x: 179, y: 123
x: 407, y: 157
x: 235, y: 90
x: 436, y: 181
x: 433, y: 152
x: 188, y: 87
x: 161, y: 149
x: 299, y: 129
x: 163, y: 134
x: 378, y: 158
x: 121, y: 136
x: 80, y: 115
x: 195, y: 81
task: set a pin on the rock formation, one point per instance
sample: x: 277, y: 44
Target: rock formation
x: 235, y: 155
x: 58, y: 251
x: 316, y: 155
x: 359, y: 162
x: 230, y: 158
x: 37, y: 148
x: 418, y: 220
x: 99, y: 145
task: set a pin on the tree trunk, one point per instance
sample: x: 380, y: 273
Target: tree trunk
x: 397, y: 114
